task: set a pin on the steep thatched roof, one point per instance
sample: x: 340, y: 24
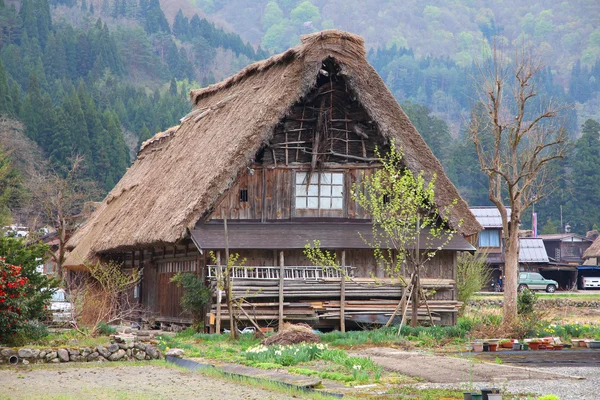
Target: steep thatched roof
x: 593, y: 251
x: 180, y: 173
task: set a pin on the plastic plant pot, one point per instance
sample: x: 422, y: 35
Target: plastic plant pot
x: 467, y: 396
x: 486, y: 347
x: 476, y: 396
x: 493, y: 346
x: 478, y: 347
x: 494, y: 396
x: 516, y: 346
x: 525, y: 346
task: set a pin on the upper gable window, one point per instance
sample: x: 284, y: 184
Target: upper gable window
x: 489, y: 238
x: 324, y: 191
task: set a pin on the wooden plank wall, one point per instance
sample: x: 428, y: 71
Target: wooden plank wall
x: 279, y: 191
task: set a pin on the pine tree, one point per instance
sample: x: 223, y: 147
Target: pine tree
x: 6, y: 107
x: 181, y: 26
x: 585, y: 167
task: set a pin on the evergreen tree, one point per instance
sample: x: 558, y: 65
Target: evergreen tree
x: 585, y: 167
x: 181, y: 26
x: 6, y: 107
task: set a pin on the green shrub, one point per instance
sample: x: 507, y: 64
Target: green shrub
x: 472, y: 274
x: 195, y: 296
x: 105, y: 329
x: 27, y: 333
x: 526, y: 302
x: 548, y: 397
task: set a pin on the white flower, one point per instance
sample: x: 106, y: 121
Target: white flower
x: 356, y: 367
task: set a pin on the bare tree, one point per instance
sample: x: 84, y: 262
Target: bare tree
x: 517, y: 135
x: 103, y: 294
x: 60, y: 196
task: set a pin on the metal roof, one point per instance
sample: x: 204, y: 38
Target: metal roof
x: 488, y: 217
x: 532, y: 250
x: 563, y: 236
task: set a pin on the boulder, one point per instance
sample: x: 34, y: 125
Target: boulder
x: 55, y: 360
x: 175, y: 353
x: 113, y: 347
x: 152, y: 352
x: 74, y: 352
x: 103, y: 351
x: 51, y: 355
x: 7, y: 352
x: 93, y: 356
x: 117, y: 356
x: 139, y: 355
x: 140, y: 346
x: 63, y: 355
x: 26, y: 353
x: 42, y: 354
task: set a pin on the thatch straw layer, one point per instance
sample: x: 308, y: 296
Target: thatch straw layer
x: 593, y: 251
x: 179, y: 174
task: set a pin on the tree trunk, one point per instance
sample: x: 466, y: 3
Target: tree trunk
x: 414, y: 320
x: 510, y: 279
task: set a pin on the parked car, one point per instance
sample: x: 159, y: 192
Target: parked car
x: 60, y: 307
x: 535, y: 281
x: 590, y: 282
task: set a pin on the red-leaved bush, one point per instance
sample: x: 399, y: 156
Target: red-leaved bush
x: 12, y: 294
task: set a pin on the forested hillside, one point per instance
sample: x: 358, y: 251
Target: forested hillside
x: 97, y: 77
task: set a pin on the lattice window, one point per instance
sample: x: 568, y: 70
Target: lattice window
x: 323, y: 191
x: 177, y: 266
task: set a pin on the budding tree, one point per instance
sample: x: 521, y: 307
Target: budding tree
x: 517, y: 134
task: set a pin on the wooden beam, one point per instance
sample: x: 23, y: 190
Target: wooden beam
x: 218, y: 322
x: 343, y: 294
x: 281, y: 283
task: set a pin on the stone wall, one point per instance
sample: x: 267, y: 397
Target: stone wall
x: 123, y: 347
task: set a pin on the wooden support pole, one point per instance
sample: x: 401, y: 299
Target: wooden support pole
x: 343, y: 294
x: 281, y: 277
x: 218, y: 322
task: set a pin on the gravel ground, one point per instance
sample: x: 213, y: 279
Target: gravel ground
x: 122, y: 382
x: 566, y: 389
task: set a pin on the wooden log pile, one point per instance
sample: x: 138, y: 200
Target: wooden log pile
x: 367, y: 300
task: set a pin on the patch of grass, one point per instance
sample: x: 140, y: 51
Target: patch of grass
x: 267, y: 384
x: 408, y: 392
x: 334, y: 376
x: 421, y: 335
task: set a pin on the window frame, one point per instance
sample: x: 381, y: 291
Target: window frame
x: 332, y: 191
x: 490, y: 234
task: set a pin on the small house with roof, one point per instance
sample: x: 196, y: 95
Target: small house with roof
x: 272, y: 154
x: 532, y: 253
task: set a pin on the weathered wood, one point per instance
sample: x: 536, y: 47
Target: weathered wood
x: 281, y: 287
x: 218, y: 322
x: 343, y: 295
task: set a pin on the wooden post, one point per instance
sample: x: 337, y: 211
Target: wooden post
x: 218, y: 323
x: 281, y: 276
x: 343, y: 294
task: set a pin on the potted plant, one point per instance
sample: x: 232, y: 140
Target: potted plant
x: 478, y: 346
x: 534, y: 344
x: 506, y: 344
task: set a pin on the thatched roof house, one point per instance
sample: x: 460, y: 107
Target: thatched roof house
x: 180, y: 174
x: 593, y: 251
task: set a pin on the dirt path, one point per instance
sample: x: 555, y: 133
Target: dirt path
x: 122, y: 382
x: 446, y: 369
